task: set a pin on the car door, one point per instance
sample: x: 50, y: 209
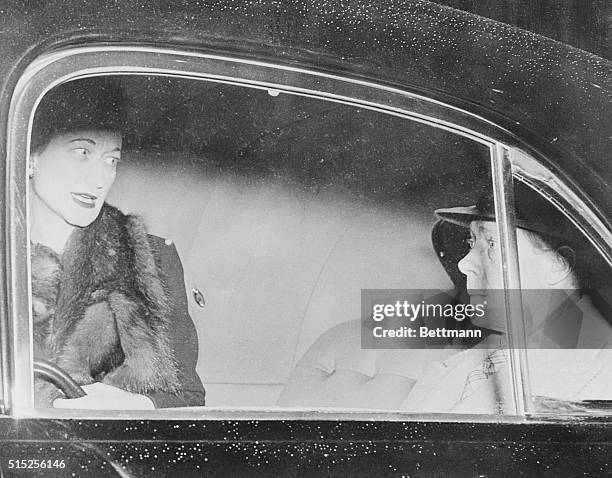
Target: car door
x: 296, y: 192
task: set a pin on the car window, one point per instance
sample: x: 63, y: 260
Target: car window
x: 302, y: 208
x: 565, y: 281
x: 288, y: 214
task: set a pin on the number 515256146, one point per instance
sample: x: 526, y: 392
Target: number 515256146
x: 36, y: 463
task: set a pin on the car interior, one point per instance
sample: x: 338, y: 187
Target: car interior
x: 283, y: 207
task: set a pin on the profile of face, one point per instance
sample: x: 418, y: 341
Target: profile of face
x: 540, y: 269
x: 73, y: 175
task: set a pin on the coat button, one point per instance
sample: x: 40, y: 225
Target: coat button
x: 198, y: 297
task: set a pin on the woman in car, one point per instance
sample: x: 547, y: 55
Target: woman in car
x: 109, y: 303
x: 568, y: 339
x: 556, y: 268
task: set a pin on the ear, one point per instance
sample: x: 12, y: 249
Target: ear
x: 562, y: 265
x: 33, y: 161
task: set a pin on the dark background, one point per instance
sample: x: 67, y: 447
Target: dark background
x: 585, y: 24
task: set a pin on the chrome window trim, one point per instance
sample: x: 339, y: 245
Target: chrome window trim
x: 54, y: 68
x: 540, y: 179
x: 503, y: 193
x: 280, y: 413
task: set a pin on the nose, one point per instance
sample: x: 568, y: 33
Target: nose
x: 96, y: 174
x: 469, y: 264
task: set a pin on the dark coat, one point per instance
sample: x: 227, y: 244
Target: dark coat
x: 182, y: 332
x: 101, y: 311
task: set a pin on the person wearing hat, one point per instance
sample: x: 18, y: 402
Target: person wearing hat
x: 108, y: 300
x: 568, y: 339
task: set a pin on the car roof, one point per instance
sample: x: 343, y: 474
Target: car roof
x: 556, y: 97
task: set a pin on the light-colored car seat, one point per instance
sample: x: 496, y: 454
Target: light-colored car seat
x: 336, y: 372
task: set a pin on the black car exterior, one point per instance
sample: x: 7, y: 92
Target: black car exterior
x: 552, y: 99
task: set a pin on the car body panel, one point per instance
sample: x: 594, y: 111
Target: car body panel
x: 314, y: 448
x: 556, y: 96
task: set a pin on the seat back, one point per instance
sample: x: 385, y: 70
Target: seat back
x: 277, y: 266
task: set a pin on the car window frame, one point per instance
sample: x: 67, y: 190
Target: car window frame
x: 56, y: 67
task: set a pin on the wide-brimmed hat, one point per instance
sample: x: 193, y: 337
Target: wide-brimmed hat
x: 533, y: 213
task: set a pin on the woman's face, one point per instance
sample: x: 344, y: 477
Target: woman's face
x: 482, y: 267
x: 74, y: 173
x: 483, y: 271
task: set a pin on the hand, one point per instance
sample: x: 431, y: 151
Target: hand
x: 101, y: 396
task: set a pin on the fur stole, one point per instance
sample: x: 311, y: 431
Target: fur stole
x: 100, y: 309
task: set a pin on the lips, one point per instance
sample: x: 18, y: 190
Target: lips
x: 84, y: 200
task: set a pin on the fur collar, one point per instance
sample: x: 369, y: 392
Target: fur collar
x: 106, y: 275
x: 112, y: 254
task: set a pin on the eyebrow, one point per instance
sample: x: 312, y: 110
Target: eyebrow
x: 91, y: 141
x: 87, y: 140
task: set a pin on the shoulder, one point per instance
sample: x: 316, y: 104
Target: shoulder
x: 167, y: 257
x: 136, y: 229
x: 146, y: 247
x: 162, y: 247
x: 595, y: 330
x: 161, y: 244
x: 114, y: 223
